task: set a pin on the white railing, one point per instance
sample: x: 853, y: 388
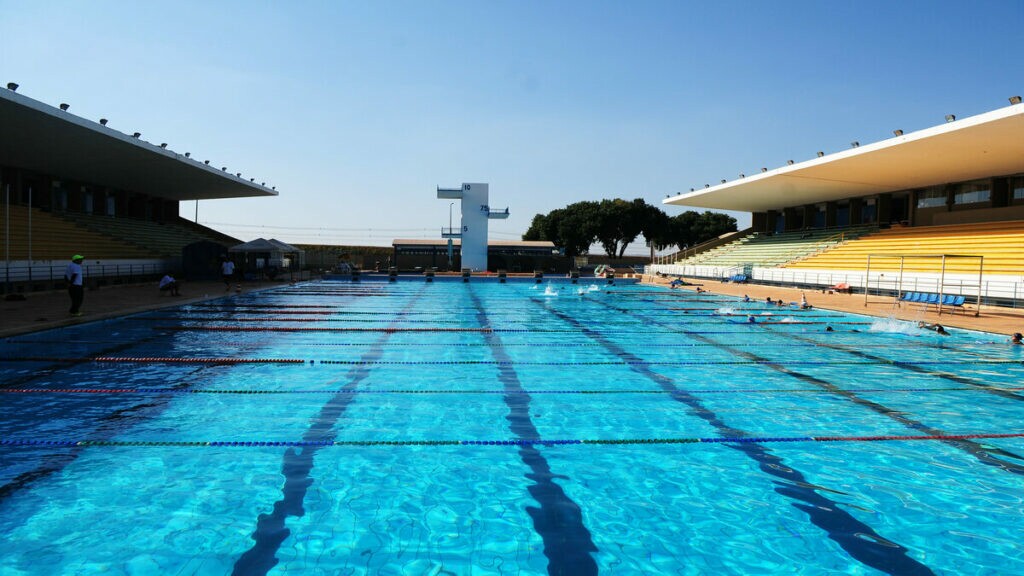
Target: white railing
x: 992, y: 288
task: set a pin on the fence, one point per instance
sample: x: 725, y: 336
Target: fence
x: 22, y: 276
x: 1007, y: 291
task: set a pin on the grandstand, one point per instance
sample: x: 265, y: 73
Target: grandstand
x: 761, y: 249
x: 1001, y: 244
x: 70, y: 185
x: 955, y: 189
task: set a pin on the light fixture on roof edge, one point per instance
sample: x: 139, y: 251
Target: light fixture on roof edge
x: 820, y: 153
x: 188, y: 154
x: 723, y: 180
x: 263, y: 183
x: 763, y: 169
x: 691, y: 189
x: 790, y: 162
x: 103, y: 121
x: 207, y: 162
x: 64, y: 106
x: 855, y: 144
x: 950, y: 117
x: 136, y: 135
x: 898, y: 132
x: 163, y: 144
x: 238, y: 174
x: 273, y: 187
x: 223, y: 168
x: 12, y: 86
x: 1013, y: 99
x: 707, y: 185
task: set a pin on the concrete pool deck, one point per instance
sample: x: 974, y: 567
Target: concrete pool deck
x: 45, y: 310
x: 993, y: 319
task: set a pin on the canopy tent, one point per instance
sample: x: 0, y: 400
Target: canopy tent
x: 268, y: 255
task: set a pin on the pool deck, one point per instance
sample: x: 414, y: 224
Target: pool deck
x: 45, y: 310
x: 990, y: 319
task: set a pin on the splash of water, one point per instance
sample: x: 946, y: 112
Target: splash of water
x: 725, y: 311
x: 594, y: 288
x: 893, y: 326
x: 550, y: 291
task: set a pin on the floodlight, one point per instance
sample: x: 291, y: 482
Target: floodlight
x: 763, y: 169
x: 820, y: 153
x: 898, y: 132
x: 263, y: 183
x: 273, y: 187
x: 12, y: 86
x: 163, y: 144
x: 855, y: 144
x: 252, y: 179
x: 64, y: 106
x: 950, y: 117
x: 790, y: 162
x: 707, y: 185
x: 691, y: 189
x: 742, y: 175
x: 723, y: 180
x: 207, y: 162
x: 1013, y: 99
x: 238, y: 174
x: 136, y: 135
x: 223, y: 168
x: 188, y: 154
x: 103, y: 121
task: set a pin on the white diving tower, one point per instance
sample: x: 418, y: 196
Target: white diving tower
x: 475, y: 212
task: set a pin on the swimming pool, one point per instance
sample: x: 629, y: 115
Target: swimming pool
x: 507, y: 428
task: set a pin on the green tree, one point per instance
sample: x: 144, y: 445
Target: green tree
x: 691, y: 228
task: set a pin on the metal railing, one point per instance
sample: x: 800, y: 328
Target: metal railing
x: 20, y: 275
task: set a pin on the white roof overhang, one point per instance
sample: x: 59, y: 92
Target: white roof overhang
x: 989, y: 144
x: 51, y: 141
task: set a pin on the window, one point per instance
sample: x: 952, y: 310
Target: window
x: 931, y: 198
x: 972, y: 193
x: 1017, y: 188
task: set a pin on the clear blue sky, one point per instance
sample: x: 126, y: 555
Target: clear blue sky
x: 357, y: 110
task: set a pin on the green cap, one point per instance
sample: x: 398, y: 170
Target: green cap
x: 78, y: 257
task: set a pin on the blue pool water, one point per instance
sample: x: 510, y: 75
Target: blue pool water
x: 482, y: 428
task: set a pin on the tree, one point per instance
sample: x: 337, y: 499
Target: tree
x: 570, y: 228
x: 691, y: 228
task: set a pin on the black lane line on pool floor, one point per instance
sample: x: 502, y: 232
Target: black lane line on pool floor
x: 108, y: 427
x: 559, y: 521
x: 980, y: 452
x: 972, y: 384
x: 916, y: 366
x: 855, y: 537
x: 270, y: 530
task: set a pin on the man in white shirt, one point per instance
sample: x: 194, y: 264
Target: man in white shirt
x: 73, y: 276
x: 227, y: 270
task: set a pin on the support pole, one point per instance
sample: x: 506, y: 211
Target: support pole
x: 981, y: 267
x: 899, y: 285
x: 867, y: 281
x: 942, y: 283
x: 7, y: 239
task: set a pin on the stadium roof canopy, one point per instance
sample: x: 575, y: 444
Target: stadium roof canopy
x: 49, y: 140
x: 982, y: 146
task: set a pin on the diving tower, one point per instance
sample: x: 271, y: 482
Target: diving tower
x: 476, y: 212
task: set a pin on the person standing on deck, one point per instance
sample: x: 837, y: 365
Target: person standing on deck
x: 76, y: 290
x: 227, y: 271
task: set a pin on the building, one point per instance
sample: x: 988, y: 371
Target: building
x: 73, y: 185
x: 508, y: 255
x: 967, y: 170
